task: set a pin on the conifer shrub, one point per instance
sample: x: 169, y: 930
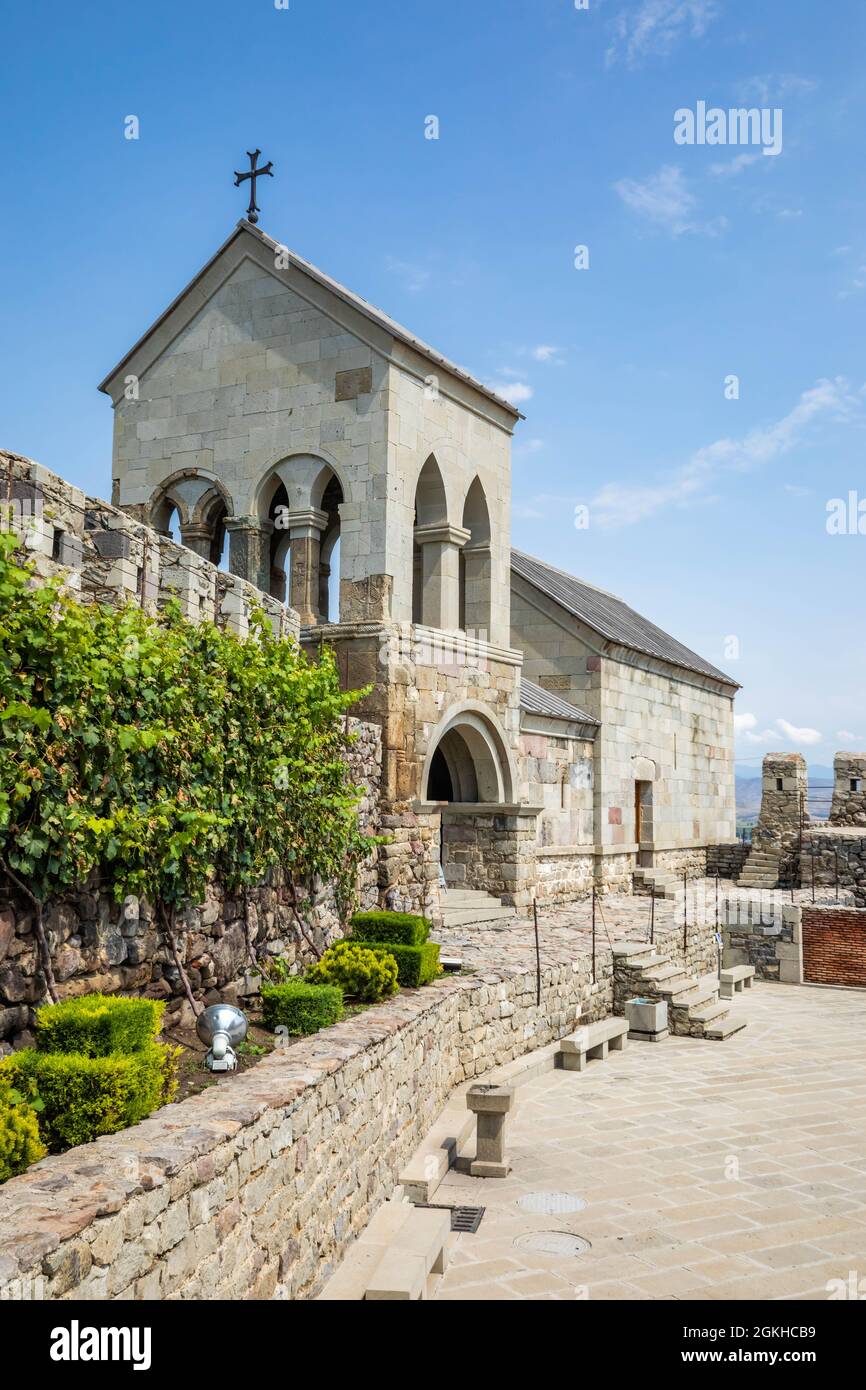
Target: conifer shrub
x: 20, y: 1144
x: 404, y: 928
x: 416, y: 965
x: 84, y: 1097
x: 96, y: 1025
x: 301, y: 1007
x: 361, y: 973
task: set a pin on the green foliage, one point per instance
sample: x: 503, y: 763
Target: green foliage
x: 20, y: 1144
x: 301, y: 1007
x: 360, y: 973
x: 403, y: 927
x: 416, y: 965
x: 158, y: 752
x: 97, y: 1024
x: 85, y: 1097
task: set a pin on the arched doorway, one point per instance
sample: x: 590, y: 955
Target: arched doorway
x: 468, y: 764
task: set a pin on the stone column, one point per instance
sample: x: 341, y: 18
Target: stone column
x: 305, y: 526
x: 197, y: 536
x: 491, y: 1105
x: 477, y: 585
x: 250, y: 550
x: 440, y: 574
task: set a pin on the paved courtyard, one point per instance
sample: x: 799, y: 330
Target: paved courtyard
x: 566, y: 931
x: 710, y: 1170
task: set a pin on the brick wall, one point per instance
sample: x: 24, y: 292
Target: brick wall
x: 834, y: 946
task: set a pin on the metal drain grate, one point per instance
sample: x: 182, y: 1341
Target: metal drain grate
x: 462, y: 1218
x: 551, y: 1203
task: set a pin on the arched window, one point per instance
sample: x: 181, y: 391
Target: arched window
x: 475, y: 567
x: 435, y: 553
x: 300, y: 500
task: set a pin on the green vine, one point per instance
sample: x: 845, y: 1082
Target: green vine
x: 157, y: 753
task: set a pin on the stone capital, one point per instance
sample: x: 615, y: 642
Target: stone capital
x: 441, y: 535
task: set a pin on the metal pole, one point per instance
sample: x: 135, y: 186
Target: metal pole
x: 593, y: 933
x: 836, y: 858
x: 812, y: 849
x: 538, y: 956
x: 685, y: 916
x: 652, y: 914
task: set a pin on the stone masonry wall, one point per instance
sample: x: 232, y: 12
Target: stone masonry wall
x: 839, y: 858
x: 256, y: 1195
x: 728, y: 861
x: 99, y: 944
x: 849, y: 789
x: 102, y: 555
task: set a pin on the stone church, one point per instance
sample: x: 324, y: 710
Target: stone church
x: 539, y: 735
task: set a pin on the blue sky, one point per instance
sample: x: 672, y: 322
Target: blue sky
x: 556, y: 129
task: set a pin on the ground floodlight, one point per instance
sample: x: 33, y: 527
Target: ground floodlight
x: 222, y: 1027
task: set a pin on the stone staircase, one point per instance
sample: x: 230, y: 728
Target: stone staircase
x: 761, y: 869
x: 464, y: 907
x: 694, y: 1007
x: 657, y: 883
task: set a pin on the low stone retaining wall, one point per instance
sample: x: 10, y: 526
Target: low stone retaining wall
x: 834, y: 945
x: 728, y: 861
x: 763, y: 930
x: 563, y: 874
x: 254, y: 1188
x: 839, y: 858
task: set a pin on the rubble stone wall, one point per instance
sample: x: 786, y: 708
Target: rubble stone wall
x: 255, y: 1193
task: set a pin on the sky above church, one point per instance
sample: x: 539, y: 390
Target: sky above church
x: 641, y: 220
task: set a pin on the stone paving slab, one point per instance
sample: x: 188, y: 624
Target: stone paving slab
x: 710, y: 1171
x: 566, y: 932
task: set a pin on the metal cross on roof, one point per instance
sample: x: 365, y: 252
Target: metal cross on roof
x: 252, y: 174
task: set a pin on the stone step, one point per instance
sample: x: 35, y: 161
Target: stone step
x: 697, y: 995
x: 707, y: 1013
x: 663, y: 974
x: 722, y: 1028
x: 470, y: 897
x: 475, y: 916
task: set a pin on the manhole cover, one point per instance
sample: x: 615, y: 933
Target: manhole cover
x: 553, y: 1243
x: 550, y: 1203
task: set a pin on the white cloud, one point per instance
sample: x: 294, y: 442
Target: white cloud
x: 514, y: 391
x: 622, y: 504
x: 847, y: 736
x: 730, y: 168
x: 666, y: 201
x: 529, y: 446
x: 746, y: 727
x: 414, y: 277
x: 799, y: 735
x: 655, y: 26
x: 774, y: 87
x: 545, y: 353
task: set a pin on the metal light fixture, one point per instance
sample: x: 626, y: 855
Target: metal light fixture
x: 222, y: 1027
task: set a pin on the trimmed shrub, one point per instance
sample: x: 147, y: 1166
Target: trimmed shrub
x: 96, y: 1025
x: 84, y: 1097
x: 301, y: 1007
x: 404, y: 928
x: 20, y: 1144
x: 360, y: 972
x: 416, y: 965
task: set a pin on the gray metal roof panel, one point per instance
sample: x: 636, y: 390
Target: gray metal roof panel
x: 611, y: 617
x: 535, y: 700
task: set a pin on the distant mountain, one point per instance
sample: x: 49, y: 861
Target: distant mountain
x: 749, y: 791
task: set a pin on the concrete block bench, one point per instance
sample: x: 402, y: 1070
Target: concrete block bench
x: 735, y: 979
x: 592, y: 1042
x: 394, y: 1257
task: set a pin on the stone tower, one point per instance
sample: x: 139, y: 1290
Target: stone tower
x: 784, y: 802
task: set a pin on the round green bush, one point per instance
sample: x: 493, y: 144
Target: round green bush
x: 20, y: 1144
x: 362, y: 974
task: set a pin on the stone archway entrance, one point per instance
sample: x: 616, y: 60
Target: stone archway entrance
x: 487, y: 841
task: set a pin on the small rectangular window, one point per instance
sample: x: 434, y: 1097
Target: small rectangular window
x: 57, y: 544
x: 855, y: 784
x: 780, y: 785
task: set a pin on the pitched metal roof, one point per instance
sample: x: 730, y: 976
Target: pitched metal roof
x: 535, y: 700
x: 611, y: 617
x: 348, y: 296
